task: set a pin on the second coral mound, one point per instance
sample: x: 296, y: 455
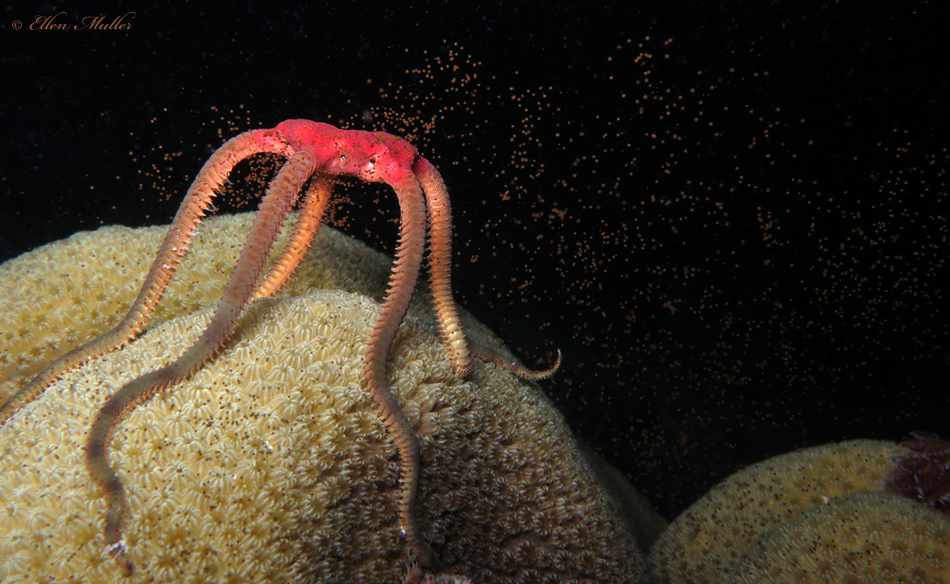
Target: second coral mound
x: 815, y: 515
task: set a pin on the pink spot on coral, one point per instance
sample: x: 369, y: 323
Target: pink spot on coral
x: 923, y: 475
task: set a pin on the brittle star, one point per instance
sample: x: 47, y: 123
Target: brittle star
x: 319, y: 153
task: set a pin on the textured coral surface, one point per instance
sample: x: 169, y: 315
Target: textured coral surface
x: 861, y: 537
x: 814, y: 515
x: 269, y: 465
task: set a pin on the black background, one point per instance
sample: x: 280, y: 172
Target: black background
x: 739, y: 241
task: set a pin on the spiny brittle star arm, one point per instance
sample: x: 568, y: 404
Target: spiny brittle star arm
x: 306, y: 228
x: 416, y: 576
x: 489, y: 355
x: 440, y: 265
x: 173, y: 249
x: 237, y: 295
x: 402, y: 283
x: 459, y: 348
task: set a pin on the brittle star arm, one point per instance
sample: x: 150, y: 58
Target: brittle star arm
x: 489, y: 355
x: 460, y: 349
x: 405, y: 273
x: 237, y: 295
x: 440, y: 265
x: 306, y: 229
x: 173, y: 249
x: 416, y: 576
